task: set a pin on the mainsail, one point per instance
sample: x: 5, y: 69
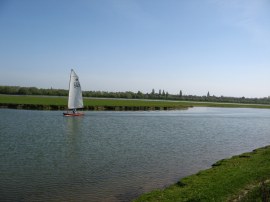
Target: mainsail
x: 75, y: 100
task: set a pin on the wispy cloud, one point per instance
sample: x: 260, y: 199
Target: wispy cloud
x: 133, y: 11
x: 248, y: 15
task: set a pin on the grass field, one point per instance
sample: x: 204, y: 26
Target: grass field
x: 242, y: 178
x: 42, y: 100
x: 61, y: 102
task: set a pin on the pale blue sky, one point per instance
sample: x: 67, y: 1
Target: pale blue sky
x: 221, y: 46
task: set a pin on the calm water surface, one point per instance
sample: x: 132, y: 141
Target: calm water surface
x: 116, y: 156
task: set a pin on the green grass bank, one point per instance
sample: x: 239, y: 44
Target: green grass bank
x: 241, y: 178
x: 60, y: 103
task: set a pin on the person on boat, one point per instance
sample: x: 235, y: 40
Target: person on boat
x: 74, y: 111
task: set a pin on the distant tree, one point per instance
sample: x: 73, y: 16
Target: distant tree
x: 159, y: 92
x: 139, y: 94
x: 24, y: 91
x: 167, y: 95
x: 180, y: 93
x: 33, y: 91
x: 128, y: 95
x: 9, y: 89
x: 208, y: 94
x: 153, y: 91
x: 163, y: 93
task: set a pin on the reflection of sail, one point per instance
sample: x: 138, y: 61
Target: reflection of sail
x: 73, y: 135
x: 75, y: 100
x: 73, y: 125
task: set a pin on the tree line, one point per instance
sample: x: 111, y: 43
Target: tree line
x: 160, y: 94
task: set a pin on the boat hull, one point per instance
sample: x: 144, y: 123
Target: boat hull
x: 73, y: 114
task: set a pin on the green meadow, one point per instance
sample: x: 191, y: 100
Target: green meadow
x: 21, y: 100
x: 41, y: 100
x: 59, y: 103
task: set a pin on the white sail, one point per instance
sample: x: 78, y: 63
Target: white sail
x: 75, y: 100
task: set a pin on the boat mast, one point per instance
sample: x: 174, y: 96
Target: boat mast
x: 69, y: 83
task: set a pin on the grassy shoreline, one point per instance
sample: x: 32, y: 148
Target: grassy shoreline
x: 243, y: 177
x: 60, y: 103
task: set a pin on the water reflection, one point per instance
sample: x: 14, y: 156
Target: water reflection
x: 73, y: 133
x: 115, y: 156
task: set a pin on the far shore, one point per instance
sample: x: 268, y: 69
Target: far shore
x: 111, y: 104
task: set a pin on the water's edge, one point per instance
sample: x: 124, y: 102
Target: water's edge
x: 89, y: 108
x: 208, y: 172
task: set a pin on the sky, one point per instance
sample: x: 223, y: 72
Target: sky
x: 220, y: 46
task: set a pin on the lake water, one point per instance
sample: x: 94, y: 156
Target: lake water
x: 116, y: 156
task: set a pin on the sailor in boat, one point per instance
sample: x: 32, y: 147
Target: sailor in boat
x: 74, y: 111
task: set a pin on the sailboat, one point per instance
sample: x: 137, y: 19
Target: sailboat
x: 75, y: 100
